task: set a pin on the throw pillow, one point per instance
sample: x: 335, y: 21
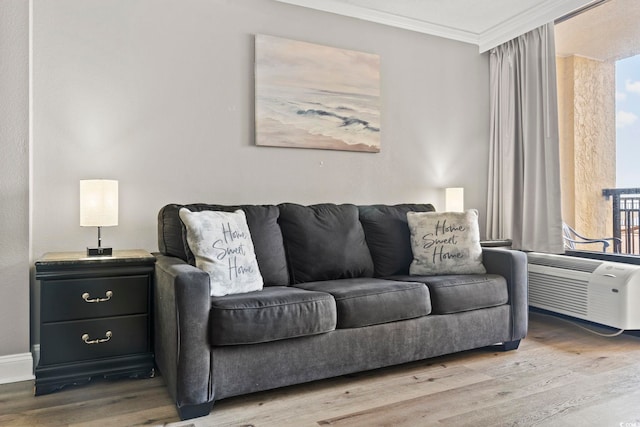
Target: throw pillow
x: 222, y: 245
x: 445, y: 243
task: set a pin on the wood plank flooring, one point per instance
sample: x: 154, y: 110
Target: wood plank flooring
x: 560, y: 376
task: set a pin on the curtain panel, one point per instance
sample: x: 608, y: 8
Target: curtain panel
x: 524, y: 200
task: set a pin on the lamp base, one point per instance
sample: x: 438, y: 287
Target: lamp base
x: 99, y: 251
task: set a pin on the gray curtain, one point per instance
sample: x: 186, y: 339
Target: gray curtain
x: 524, y: 167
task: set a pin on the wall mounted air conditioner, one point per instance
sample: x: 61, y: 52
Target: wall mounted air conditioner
x: 598, y: 291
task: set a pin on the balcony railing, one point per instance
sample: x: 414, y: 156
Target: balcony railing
x: 626, y: 218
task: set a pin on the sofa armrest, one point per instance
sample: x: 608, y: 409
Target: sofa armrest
x: 181, y: 323
x: 512, y: 265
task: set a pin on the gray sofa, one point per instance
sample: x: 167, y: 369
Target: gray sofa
x: 338, y: 299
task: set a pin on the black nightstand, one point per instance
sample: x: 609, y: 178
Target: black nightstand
x: 500, y: 243
x: 95, y: 318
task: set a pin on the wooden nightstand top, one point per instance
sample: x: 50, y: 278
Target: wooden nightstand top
x: 119, y: 256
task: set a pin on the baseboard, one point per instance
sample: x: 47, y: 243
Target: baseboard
x: 16, y: 367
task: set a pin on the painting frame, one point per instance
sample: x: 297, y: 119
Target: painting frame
x: 315, y: 96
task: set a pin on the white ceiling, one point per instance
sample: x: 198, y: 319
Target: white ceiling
x: 486, y: 23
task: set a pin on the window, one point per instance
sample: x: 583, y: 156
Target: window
x: 593, y: 48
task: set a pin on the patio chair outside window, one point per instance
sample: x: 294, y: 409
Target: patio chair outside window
x: 572, y: 238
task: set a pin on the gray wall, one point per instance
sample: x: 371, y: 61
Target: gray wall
x: 159, y: 95
x: 14, y: 177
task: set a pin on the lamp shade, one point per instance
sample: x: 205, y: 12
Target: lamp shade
x: 454, y: 199
x: 98, y: 203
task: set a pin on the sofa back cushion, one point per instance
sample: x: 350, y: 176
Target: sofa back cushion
x: 263, y: 225
x: 324, y: 242
x: 388, y: 236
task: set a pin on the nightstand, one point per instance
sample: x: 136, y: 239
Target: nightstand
x: 95, y: 318
x: 499, y: 243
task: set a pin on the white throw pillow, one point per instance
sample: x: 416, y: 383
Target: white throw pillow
x: 445, y: 243
x: 222, y: 246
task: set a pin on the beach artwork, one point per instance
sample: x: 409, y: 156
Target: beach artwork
x: 314, y: 96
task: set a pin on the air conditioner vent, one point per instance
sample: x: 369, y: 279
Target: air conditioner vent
x: 564, y: 294
x: 565, y: 263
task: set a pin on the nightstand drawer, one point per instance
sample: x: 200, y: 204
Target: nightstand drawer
x: 87, y: 298
x: 64, y: 342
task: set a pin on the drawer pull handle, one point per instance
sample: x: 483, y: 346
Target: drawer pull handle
x: 108, y: 295
x: 108, y: 335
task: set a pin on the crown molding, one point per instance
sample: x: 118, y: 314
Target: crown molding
x: 544, y: 12
x: 372, y: 15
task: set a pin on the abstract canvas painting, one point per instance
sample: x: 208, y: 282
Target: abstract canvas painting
x: 314, y: 96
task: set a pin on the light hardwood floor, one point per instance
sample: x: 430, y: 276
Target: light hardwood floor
x: 560, y: 376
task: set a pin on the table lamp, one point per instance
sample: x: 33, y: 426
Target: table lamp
x: 98, y: 208
x: 454, y: 199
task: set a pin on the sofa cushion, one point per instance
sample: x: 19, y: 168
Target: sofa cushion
x: 387, y: 234
x: 368, y: 301
x: 265, y: 233
x: 324, y: 242
x: 221, y: 243
x: 445, y: 243
x: 274, y: 313
x: 463, y: 292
